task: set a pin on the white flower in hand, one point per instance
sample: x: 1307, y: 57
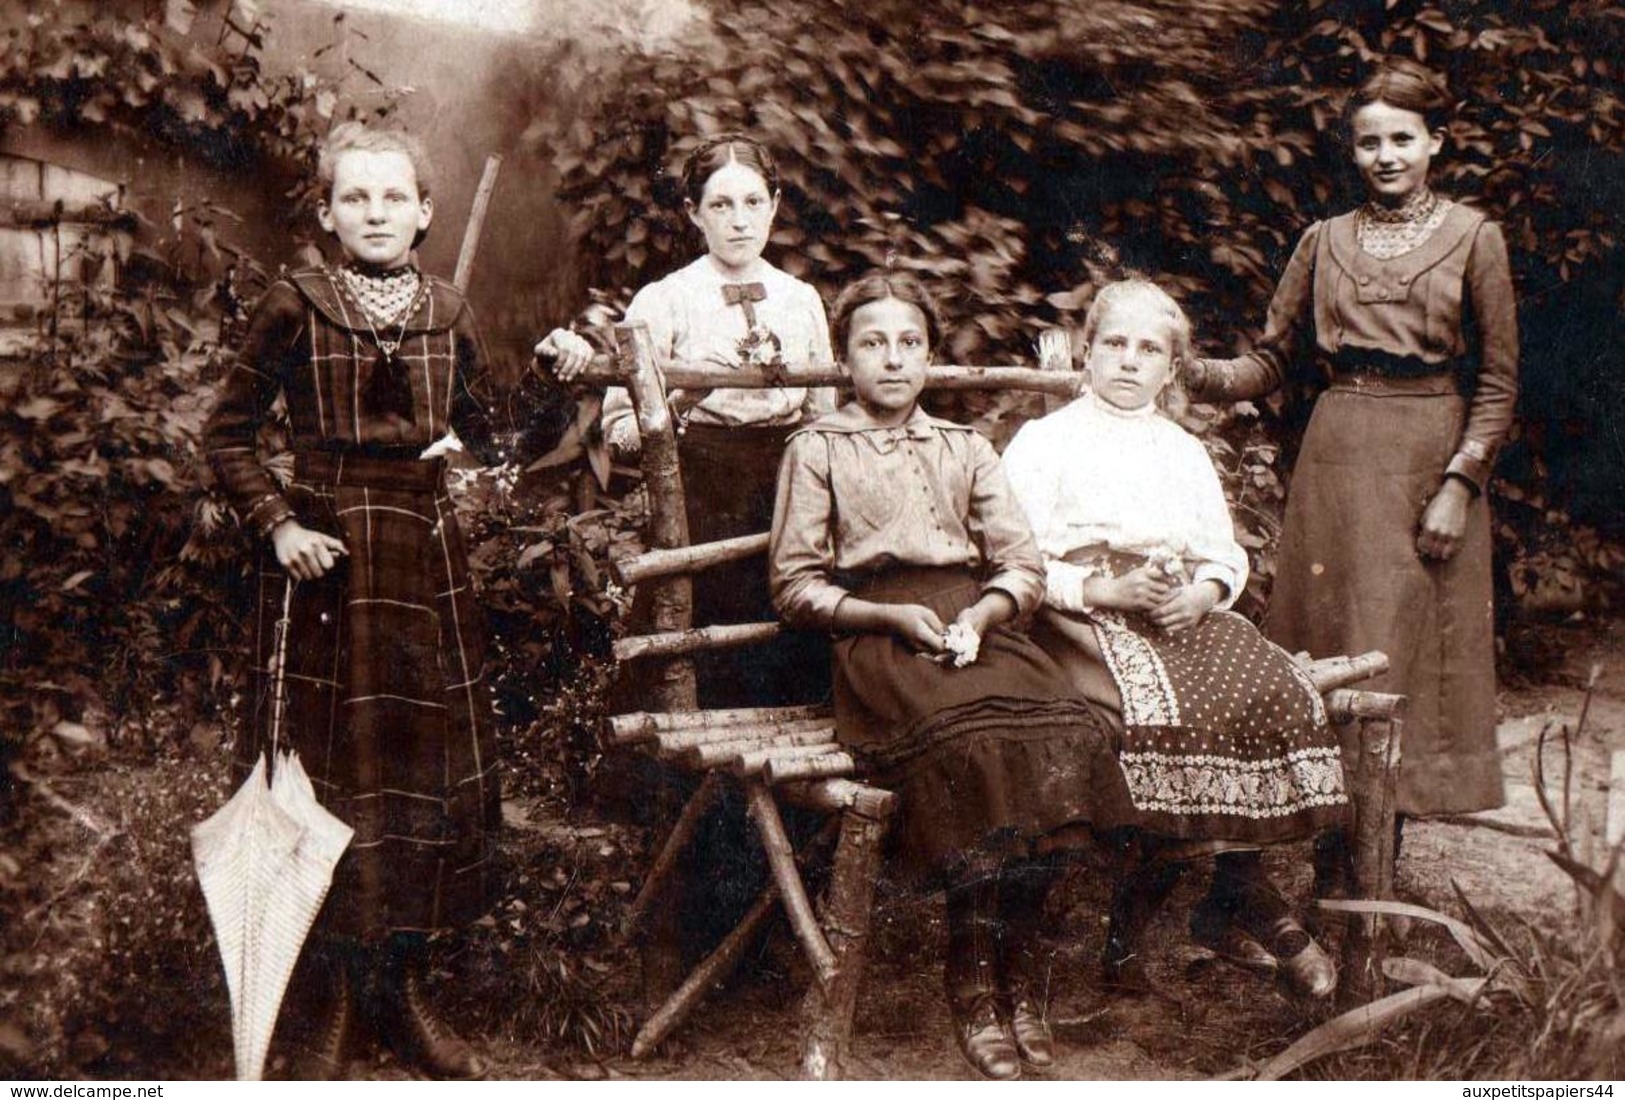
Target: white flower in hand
x: 962, y: 643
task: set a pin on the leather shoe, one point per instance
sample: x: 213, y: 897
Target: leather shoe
x: 1030, y: 1030
x: 415, y: 1033
x: 1236, y: 947
x: 987, y: 1042
x: 1305, y: 967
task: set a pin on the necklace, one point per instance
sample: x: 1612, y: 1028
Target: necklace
x: 388, y: 392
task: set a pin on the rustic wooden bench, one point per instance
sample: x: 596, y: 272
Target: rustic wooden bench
x: 790, y: 755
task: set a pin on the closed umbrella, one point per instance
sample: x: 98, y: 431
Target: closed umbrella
x: 265, y: 861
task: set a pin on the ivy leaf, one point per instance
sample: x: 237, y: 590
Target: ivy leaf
x: 38, y: 408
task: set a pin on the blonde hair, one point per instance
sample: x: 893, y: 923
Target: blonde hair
x: 1171, y: 400
x: 1112, y: 294
x: 350, y: 137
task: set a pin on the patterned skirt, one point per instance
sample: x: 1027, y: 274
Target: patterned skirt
x: 991, y: 757
x: 385, y: 698
x: 1223, y: 738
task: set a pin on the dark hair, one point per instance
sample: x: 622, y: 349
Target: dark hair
x: 717, y: 152
x: 877, y: 286
x: 1400, y: 82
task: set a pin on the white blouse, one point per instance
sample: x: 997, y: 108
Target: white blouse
x: 1093, y: 477
x: 690, y: 321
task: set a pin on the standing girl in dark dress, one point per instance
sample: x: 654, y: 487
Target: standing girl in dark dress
x: 1404, y: 307
x: 386, y: 704
x: 896, y: 532
x: 732, y: 308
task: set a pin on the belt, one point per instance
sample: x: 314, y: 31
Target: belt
x: 386, y: 471
x: 1377, y: 385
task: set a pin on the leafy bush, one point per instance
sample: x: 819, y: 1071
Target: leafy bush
x: 104, y: 597
x: 1021, y: 155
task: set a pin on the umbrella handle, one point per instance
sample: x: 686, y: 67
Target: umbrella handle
x: 279, y: 666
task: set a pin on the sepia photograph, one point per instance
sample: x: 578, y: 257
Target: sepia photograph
x: 901, y: 540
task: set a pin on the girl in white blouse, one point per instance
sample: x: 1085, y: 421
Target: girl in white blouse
x: 1225, y: 742
x: 732, y: 308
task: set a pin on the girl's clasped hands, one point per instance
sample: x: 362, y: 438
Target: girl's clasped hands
x: 1160, y: 595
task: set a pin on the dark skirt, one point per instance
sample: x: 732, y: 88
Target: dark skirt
x: 730, y: 478
x: 1348, y: 579
x: 1223, y: 737
x: 995, y: 755
x: 386, y: 700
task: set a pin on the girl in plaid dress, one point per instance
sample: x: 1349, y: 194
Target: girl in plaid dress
x: 386, y: 704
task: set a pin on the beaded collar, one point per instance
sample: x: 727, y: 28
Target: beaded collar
x: 1385, y: 232
x: 386, y: 297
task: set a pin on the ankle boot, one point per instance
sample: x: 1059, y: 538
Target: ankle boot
x: 1334, y: 877
x: 971, y: 977
x: 1024, y: 962
x: 408, y: 1022
x: 1305, y: 967
x: 1139, y: 894
x: 324, y: 1040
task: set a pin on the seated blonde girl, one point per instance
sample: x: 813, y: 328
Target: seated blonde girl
x: 1224, y: 740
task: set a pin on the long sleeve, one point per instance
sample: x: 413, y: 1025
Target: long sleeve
x: 1000, y: 528
x: 485, y: 417
x: 273, y: 341
x: 1035, y: 483
x: 801, y: 548
x: 1286, y: 332
x: 1495, y: 321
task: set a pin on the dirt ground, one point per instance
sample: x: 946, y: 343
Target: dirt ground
x: 1206, y: 1019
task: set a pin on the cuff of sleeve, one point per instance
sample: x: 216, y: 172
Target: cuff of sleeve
x: 1211, y: 571
x: 1063, y: 585
x: 266, y: 512
x: 1207, y: 380
x: 1472, y: 464
x: 816, y: 610
x: 622, y: 436
x: 1003, y: 584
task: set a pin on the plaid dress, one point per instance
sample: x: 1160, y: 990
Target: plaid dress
x: 386, y: 702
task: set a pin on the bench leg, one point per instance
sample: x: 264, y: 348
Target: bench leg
x: 720, y: 962
x: 666, y: 862
x: 827, y: 1010
x: 1372, y: 790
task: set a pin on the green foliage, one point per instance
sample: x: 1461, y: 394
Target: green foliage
x: 104, y: 592
x: 1022, y: 154
x: 69, y: 66
x: 110, y: 970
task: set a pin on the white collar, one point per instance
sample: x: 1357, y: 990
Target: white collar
x: 1100, y: 404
